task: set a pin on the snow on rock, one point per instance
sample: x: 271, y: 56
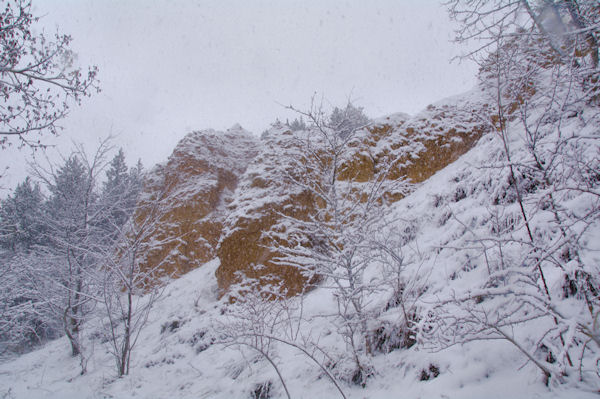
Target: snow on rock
x: 262, y: 195
x: 195, y: 184
x: 181, y: 352
x: 417, y: 147
x: 208, y: 213
x: 185, y: 351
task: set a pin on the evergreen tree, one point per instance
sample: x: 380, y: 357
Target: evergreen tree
x: 25, y: 320
x: 347, y: 120
x: 72, y: 221
x: 119, y: 194
x: 297, y: 124
x: 54, y: 252
x: 113, y: 191
x: 20, y: 226
x: 136, y: 181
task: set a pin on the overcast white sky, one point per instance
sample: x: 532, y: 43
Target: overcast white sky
x: 169, y: 67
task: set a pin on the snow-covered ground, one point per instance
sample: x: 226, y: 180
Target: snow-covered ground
x: 183, y: 352
x: 171, y: 364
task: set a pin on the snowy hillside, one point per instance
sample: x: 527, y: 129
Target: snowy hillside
x: 460, y: 235
x: 450, y: 254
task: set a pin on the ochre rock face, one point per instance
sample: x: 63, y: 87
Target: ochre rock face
x: 432, y: 140
x: 225, y: 192
x: 417, y: 147
x: 261, y: 197
x: 195, y: 185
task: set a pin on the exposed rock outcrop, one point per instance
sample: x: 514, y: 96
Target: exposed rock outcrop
x: 196, y: 183
x: 261, y: 197
x: 225, y: 191
x: 417, y: 146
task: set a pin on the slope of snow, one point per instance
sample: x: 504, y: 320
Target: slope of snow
x: 180, y: 354
x: 456, y: 232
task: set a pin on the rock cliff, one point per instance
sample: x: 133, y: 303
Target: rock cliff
x: 196, y: 183
x: 418, y: 147
x: 227, y: 190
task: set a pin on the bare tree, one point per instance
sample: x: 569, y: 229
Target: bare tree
x: 38, y: 77
x: 80, y: 248
x: 403, y: 278
x: 263, y: 318
x: 335, y: 241
x: 566, y: 26
x: 131, y: 285
x: 63, y: 268
x: 543, y: 119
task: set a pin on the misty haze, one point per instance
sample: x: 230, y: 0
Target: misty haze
x: 286, y: 199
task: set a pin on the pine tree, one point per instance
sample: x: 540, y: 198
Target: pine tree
x: 24, y: 317
x: 113, y: 191
x: 119, y: 195
x: 72, y: 218
x: 20, y: 226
